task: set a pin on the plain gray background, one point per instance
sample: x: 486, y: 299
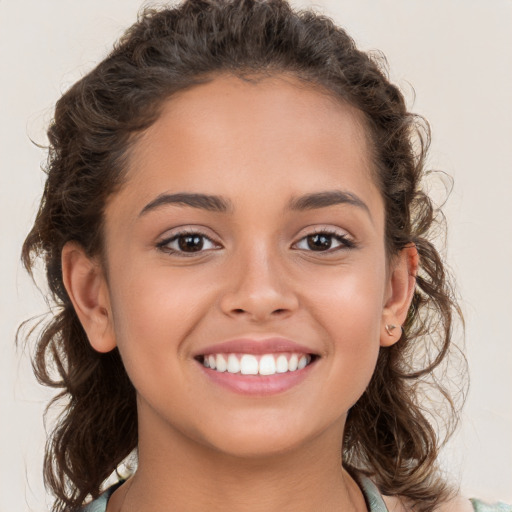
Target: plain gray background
x: 457, y: 55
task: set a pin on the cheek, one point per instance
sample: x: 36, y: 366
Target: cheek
x: 152, y: 312
x: 151, y: 299
x: 348, y: 307
x: 349, y: 300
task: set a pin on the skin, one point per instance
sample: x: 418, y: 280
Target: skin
x: 258, y: 145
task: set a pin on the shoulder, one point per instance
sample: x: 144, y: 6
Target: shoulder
x: 457, y: 504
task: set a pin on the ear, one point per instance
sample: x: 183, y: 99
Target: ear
x: 401, y: 284
x: 87, y: 288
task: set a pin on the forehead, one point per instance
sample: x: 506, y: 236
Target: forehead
x: 269, y: 110
x: 231, y: 135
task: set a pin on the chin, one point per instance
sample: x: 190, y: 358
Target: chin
x: 264, y: 438
x: 253, y: 447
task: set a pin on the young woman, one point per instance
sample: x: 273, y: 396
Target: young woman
x: 234, y: 229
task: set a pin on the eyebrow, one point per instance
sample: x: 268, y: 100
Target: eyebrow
x: 201, y: 201
x: 220, y: 204
x: 327, y: 198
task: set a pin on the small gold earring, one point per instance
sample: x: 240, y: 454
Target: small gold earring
x: 389, y: 328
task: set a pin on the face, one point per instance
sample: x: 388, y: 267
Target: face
x: 249, y: 231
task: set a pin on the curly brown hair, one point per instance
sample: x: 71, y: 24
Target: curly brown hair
x: 389, y: 431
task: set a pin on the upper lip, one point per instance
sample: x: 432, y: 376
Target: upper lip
x: 255, y: 346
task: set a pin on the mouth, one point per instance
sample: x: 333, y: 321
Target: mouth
x: 257, y: 364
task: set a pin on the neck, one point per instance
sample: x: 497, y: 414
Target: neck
x: 177, y: 473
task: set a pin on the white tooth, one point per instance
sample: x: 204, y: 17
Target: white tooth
x: 233, y: 364
x: 206, y: 364
x: 294, y: 361
x: 303, y: 361
x: 211, y: 361
x: 248, y: 365
x: 221, y: 363
x: 268, y: 365
x: 282, y: 364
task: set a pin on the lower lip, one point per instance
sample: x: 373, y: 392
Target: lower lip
x: 258, y: 385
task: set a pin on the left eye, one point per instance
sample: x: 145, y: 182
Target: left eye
x: 187, y: 243
x: 324, y: 241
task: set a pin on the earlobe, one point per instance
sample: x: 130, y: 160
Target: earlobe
x: 87, y: 288
x: 401, y: 285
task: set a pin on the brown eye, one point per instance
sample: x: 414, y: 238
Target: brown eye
x: 319, y: 242
x: 325, y: 241
x: 187, y: 243
x: 190, y: 243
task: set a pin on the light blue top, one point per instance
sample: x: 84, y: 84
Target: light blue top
x: 100, y: 504
x: 480, y: 506
x: 373, y: 498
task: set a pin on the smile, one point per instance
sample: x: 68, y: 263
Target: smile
x: 252, y: 364
x: 257, y: 367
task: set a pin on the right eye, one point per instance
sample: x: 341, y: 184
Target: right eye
x: 187, y: 243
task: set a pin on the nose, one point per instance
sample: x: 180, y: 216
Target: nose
x: 258, y: 288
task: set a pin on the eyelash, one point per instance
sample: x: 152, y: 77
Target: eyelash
x: 344, y: 240
x: 164, y: 244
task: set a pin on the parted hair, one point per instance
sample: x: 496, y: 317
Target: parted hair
x: 392, y: 432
